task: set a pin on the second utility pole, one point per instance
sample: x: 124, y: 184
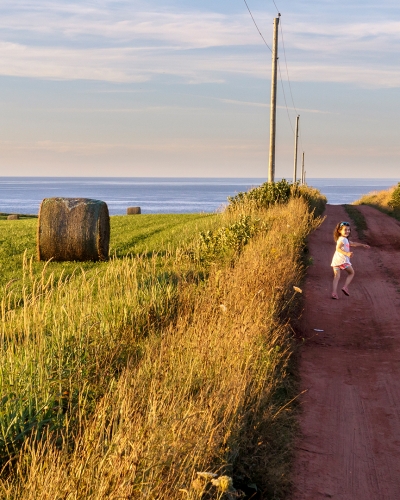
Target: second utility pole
x: 296, y: 140
x: 271, y: 164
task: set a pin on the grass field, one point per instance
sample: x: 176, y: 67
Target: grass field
x: 128, y: 378
x: 130, y: 236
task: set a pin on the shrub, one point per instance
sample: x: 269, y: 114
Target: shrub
x: 263, y: 196
x: 395, y: 199
x: 271, y: 193
x: 227, y: 238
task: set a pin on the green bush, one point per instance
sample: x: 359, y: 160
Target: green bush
x: 271, y: 193
x: 395, y: 199
x: 233, y: 237
x: 263, y: 196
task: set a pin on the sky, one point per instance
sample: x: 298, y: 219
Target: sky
x: 176, y: 88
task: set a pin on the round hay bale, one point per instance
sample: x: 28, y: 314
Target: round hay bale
x: 133, y: 210
x: 13, y: 217
x: 73, y: 229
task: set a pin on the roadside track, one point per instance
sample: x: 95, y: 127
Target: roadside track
x: 349, y: 446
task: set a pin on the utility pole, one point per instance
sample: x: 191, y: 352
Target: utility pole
x: 296, y: 140
x: 271, y: 164
x: 303, y: 176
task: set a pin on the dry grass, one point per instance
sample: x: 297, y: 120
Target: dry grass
x: 380, y: 200
x: 135, y: 382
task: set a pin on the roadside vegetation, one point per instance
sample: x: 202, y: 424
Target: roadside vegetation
x: 387, y: 201
x: 164, y: 373
x: 358, y: 219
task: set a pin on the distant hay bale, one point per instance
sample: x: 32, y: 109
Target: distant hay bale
x: 133, y: 210
x: 73, y: 229
x: 13, y: 217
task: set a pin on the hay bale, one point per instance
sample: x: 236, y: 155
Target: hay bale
x: 13, y: 217
x: 133, y: 210
x: 73, y: 229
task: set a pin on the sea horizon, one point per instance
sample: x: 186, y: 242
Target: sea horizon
x: 23, y: 194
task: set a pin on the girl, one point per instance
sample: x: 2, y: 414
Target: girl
x: 341, y: 258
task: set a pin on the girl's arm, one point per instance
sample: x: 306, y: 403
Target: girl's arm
x: 356, y: 244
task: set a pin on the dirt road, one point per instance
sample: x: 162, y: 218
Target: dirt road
x: 349, y: 448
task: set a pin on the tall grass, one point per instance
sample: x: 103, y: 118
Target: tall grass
x: 387, y: 201
x: 127, y: 382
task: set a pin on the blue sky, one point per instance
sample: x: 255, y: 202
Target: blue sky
x: 174, y: 88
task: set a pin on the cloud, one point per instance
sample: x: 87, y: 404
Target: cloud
x: 183, y: 30
x: 265, y: 105
x: 362, y: 75
x: 99, y: 148
x: 122, y: 42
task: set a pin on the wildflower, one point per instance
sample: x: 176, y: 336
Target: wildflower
x: 223, y: 483
x: 198, y: 485
x: 206, y: 475
x: 297, y: 289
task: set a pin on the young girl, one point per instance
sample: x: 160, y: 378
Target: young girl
x: 341, y: 258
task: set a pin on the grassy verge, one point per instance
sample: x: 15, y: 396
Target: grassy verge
x: 387, y: 201
x: 359, y: 220
x: 128, y: 379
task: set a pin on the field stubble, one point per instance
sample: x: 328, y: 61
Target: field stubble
x: 127, y: 381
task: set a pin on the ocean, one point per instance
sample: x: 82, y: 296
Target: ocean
x: 23, y: 195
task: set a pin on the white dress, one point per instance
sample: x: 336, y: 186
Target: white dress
x: 340, y: 260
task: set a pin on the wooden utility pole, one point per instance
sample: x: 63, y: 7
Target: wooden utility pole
x: 303, y: 177
x: 272, y: 133
x: 296, y: 140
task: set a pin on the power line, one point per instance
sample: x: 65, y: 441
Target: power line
x: 276, y: 7
x: 290, y: 85
x: 287, y: 71
x: 255, y: 24
x: 280, y: 73
x: 284, y: 97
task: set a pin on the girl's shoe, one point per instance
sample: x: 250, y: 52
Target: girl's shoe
x: 345, y: 291
x: 334, y: 296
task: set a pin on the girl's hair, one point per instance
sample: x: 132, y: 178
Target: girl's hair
x: 339, y: 225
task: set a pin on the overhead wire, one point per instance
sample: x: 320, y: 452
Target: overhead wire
x: 280, y: 73
x: 276, y: 7
x: 284, y: 96
x: 288, y: 78
x: 255, y: 24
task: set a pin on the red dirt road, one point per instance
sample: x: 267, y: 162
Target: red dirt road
x: 349, y: 447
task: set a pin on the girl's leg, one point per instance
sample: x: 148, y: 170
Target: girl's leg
x: 336, y: 276
x: 350, y: 276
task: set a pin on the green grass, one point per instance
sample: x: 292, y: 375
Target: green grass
x: 4, y: 215
x: 131, y: 376
x: 145, y: 234
x: 359, y: 220
x: 130, y: 236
